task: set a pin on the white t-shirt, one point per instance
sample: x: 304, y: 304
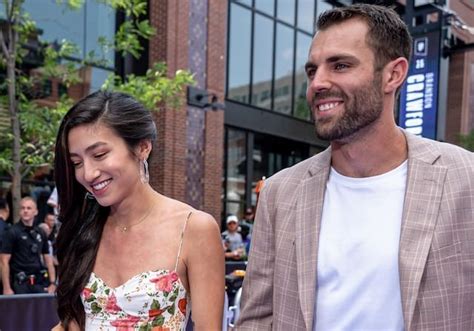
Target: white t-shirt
x: 358, y: 274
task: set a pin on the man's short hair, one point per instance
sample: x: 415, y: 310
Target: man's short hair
x: 28, y: 198
x: 388, y: 35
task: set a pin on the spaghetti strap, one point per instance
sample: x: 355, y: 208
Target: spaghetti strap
x: 181, y: 242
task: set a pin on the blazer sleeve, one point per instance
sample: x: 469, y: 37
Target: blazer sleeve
x: 257, y: 292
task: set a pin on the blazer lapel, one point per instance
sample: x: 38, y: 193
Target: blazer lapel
x: 422, y: 202
x: 309, y: 207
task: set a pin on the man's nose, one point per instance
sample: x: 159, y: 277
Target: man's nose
x: 321, y: 81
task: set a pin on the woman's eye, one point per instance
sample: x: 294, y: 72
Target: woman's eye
x: 76, y: 164
x: 100, y: 155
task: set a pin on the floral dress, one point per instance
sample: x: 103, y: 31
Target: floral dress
x: 150, y: 301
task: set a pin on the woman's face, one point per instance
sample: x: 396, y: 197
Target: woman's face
x: 102, y: 163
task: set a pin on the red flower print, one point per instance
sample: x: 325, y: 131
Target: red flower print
x: 155, y: 312
x: 165, y: 282
x: 160, y: 328
x: 86, y: 292
x: 126, y: 324
x: 182, y: 305
x: 111, y: 306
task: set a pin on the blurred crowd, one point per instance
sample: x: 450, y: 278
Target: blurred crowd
x: 237, y: 236
x: 28, y: 245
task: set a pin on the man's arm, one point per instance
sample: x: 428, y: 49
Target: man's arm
x: 257, y: 293
x: 5, y: 261
x: 48, y: 260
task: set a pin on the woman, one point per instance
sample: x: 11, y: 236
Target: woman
x: 129, y: 257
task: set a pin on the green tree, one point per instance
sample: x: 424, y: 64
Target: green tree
x: 467, y: 141
x: 27, y: 141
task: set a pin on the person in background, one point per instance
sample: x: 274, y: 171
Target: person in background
x: 129, y: 257
x: 51, y: 222
x: 247, y: 223
x: 51, y: 229
x: 53, y: 201
x: 22, y: 250
x: 47, y: 231
x: 4, y: 213
x: 232, y: 239
x: 377, y: 231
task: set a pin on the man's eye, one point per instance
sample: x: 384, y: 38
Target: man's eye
x: 310, y: 72
x: 340, y: 66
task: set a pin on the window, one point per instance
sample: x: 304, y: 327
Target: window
x: 267, y: 42
x: 239, y: 54
x: 248, y: 157
x: 262, y: 59
x: 303, y: 42
x: 235, y: 169
x: 284, y: 69
x: 286, y: 11
x: 82, y: 27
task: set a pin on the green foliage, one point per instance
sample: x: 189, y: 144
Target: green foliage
x: 467, y: 141
x: 153, y: 88
x: 127, y: 37
x: 38, y: 124
x: 38, y: 129
x: 71, y: 4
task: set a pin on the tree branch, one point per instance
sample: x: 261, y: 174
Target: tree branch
x: 11, y: 31
x: 39, y: 152
x: 4, y: 45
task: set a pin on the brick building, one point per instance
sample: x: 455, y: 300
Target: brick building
x: 247, y: 116
x: 250, y: 54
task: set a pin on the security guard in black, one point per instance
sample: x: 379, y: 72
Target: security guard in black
x: 26, y: 244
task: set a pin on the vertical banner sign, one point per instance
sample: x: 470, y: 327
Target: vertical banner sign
x: 419, y: 95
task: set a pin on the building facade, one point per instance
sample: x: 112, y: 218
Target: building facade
x: 251, y: 56
x: 247, y: 115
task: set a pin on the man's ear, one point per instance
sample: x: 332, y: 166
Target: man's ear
x: 144, y: 149
x: 395, y: 73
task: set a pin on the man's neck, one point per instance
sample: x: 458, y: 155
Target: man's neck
x: 371, y: 154
x: 27, y: 223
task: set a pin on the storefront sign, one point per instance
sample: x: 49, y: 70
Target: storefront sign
x: 419, y: 95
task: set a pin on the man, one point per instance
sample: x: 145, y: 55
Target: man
x: 233, y: 243
x: 246, y: 224
x: 50, y: 228
x: 50, y: 221
x: 376, y: 232
x: 4, y: 213
x: 21, y: 252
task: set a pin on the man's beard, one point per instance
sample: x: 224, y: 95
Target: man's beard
x: 362, y: 110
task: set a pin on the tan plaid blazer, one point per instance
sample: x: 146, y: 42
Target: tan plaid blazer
x: 436, y: 255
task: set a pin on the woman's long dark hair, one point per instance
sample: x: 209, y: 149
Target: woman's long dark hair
x: 82, y: 217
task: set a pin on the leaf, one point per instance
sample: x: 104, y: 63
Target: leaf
x: 171, y: 309
x: 158, y: 321
x: 95, y: 308
x: 155, y: 304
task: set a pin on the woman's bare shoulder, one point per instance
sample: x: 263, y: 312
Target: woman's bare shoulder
x: 202, y: 222
x: 197, y: 220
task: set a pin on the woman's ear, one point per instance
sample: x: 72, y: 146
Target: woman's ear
x: 395, y: 73
x: 144, y: 149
